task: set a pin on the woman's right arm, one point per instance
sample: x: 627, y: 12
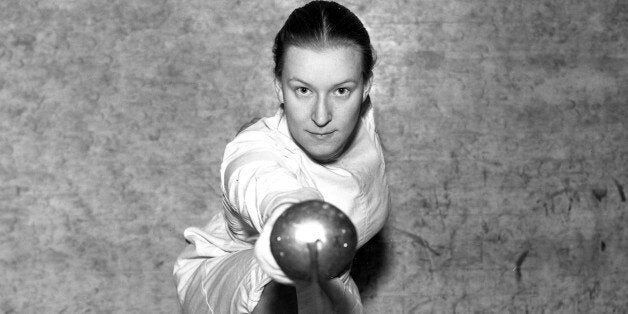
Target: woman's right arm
x: 259, y: 187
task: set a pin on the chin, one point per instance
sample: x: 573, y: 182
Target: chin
x: 323, y: 157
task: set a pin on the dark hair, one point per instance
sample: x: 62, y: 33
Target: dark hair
x: 321, y: 24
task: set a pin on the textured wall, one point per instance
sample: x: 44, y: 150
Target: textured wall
x: 505, y: 124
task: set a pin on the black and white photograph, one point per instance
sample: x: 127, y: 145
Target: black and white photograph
x: 298, y: 156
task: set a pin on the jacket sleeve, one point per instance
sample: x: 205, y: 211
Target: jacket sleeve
x: 257, y: 188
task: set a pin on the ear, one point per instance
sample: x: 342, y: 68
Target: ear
x: 367, y: 88
x: 278, y: 89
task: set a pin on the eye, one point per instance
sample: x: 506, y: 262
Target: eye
x: 343, y: 91
x: 302, y: 91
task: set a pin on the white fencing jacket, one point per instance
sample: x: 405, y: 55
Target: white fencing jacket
x: 264, y: 172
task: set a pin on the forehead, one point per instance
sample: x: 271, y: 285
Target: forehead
x: 326, y: 65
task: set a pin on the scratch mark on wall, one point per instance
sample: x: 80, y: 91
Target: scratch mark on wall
x: 599, y: 194
x: 620, y: 189
x: 418, y: 239
x: 518, y: 263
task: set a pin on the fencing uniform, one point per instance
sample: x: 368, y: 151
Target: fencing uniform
x: 228, y: 262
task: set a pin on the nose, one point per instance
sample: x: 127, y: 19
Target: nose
x: 321, y: 115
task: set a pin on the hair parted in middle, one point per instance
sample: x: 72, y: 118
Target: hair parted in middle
x: 324, y: 24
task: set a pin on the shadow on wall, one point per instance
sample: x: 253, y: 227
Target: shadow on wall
x: 369, y: 264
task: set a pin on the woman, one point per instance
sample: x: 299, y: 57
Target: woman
x: 321, y: 144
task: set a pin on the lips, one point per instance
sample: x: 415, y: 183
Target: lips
x: 321, y: 135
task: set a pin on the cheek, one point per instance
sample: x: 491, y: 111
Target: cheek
x: 299, y: 107
x: 350, y: 113
x: 296, y: 114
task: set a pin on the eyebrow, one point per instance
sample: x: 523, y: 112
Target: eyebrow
x: 295, y: 79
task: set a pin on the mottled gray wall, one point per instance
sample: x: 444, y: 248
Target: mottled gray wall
x: 505, y: 126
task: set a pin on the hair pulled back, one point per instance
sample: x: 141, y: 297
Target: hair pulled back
x: 323, y: 24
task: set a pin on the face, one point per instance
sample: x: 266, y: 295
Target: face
x: 322, y: 92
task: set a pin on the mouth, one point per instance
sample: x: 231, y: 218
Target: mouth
x: 321, y: 135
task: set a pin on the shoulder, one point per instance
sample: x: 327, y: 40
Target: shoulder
x: 261, y: 136
x: 260, y: 143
